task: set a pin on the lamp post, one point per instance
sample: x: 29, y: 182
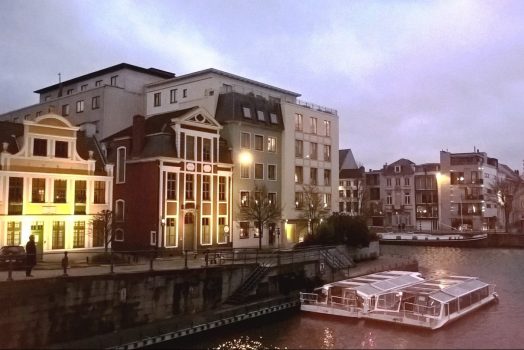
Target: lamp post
x: 278, y: 237
x: 162, y: 233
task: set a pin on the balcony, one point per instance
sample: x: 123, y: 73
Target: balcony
x: 317, y: 107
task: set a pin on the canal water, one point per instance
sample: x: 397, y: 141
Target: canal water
x: 495, y: 326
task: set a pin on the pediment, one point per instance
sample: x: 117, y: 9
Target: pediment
x: 198, y: 117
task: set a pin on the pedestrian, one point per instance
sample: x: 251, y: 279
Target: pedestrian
x: 30, y: 257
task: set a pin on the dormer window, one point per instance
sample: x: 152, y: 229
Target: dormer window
x: 274, y: 119
x: 260, y: 116
x: 61, y: 149
x: 40, y: 147
x: 398, y: 168
x: 247, y: 112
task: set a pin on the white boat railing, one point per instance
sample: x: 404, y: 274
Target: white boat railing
x: 308, y: 298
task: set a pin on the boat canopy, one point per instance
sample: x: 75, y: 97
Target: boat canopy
x: 393, y: 283
x: 464, y: 288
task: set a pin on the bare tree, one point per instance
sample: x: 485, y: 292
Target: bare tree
x: 261, y: 209
x: 503, y: 192
x: 104, y: 221
x: 313, y: 208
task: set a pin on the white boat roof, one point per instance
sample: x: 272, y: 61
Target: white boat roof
x: 445, y: 289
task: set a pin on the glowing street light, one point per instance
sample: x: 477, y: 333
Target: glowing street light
x: 245, y: 158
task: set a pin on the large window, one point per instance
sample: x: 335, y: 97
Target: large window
x: 58, y: 237
x: 113, y: 80
x: 171, y: 232
x: 156, y: 99
x: 121, y: 165
x: 244, y: 229
x: 313, y: 125
x: 189, y: 187
x: 80, y: 106
x: 16, y: 190
x: 206, y: 187
x: 259, y: 142
x: 65, y: 110
x: 99, y: 192
x: 171, y: 186
x: 38, y: 190
x: 13, y: 233
x: 313, y: 150
x: 313, y: 176
x: 299, y: 200
x: 221, y: 188
x: 206, y: 231
x: 98, y: 233
x: 221, y: 230
x: 120, y: 206
x: 206, y: 150
x: 244, y: 198
x: 271, y: 172
x: 60, y: 187
x: 259, y: 171
x: 95, y: 102
x: 244, y: 171
x: 61, y: 149
x: 327, y: 177
x: 298, y: 122
x: 327, y: 127
x: 271, y: 144
x: 79, y: 234
x: 327, y: 153
x: 272, y: 197
x: 299, y: 148
x: 299, y: 176
x: 172, y: 95
x: 190, y: 147
x: 245, y: 140
x: 40, y: 147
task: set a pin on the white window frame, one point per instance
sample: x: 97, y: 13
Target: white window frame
x: 117, y: 238
x: 121, y: 169
x: 271, y: 144
x: 120, y: 217
x: 276, y: 176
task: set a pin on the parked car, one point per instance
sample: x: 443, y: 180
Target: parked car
x: 16, y: 253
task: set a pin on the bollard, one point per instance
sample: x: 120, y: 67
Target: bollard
x: 10, y: 272
x: 65, y: 262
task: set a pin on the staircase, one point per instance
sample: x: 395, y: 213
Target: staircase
x: 242, y: 292
x: 336, y: 259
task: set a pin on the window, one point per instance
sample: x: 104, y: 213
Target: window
x: 327, y: 128
x: 299, y: 148
x: 38, y: 114
x: 388, y: 182
x: 119, y: 235
x: 313, y: 175
x: 260, y: 116
x: 40, y: 147
x: 271, y: 172
x: 327, y: 177
x: 70, y: 91
x: 244, y: 171
x: 190, y: 147
x: 244, y: 198
x: 299, y: 177
x: 113, y: 80
x: 120, y: 206
x: 245, y: 140
x: 206, y: 187
x: 98, y: 233
x: 172, y: 95
x: 83, y: 87
x: 244, y: 229
x: 99, y: 192
x: 61, y: 149
x: 247, y: 112
x: 171, y: 186
x: 16, y: 190
x: 79, y: 234
x: 299, y: 200
x: 13, y: 233
x: 58, y: 236
x: 206, y: 150
x: 171, y: 232
x: 271, y: 144
x: 406, y: 181
x: 121, y: 165
x: 98, y: 83
x: 189, y: 187
x: 156, y: 99
x: 259, y: 171
x: 95, y: 102
x: 206, y: 232
x: 65, y: 110
x: 313, y: 125
x: 60, y: 191
x: 222, y: 235
x: 38, y: 191
x: 221, y: 188
x: 298, y: 122
x: 398, y: 168
x: 184, y: 93
x: 80, y: 196
x: 259, y: 142
x: 327, y: 153
x: 327, y: 200
x: 407, y: 198
x: 80, y: 106
x: 389, y: 198
x: 397, y: 181
x: 313, y: 150
x: 274, y: 118
x: 152, y: 238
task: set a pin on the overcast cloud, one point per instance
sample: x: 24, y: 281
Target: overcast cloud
x: 408, y: 78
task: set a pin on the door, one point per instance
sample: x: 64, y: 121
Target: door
x: 37, y: 229
x: 189, y: 231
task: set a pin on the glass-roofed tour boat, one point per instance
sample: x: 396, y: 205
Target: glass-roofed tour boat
x: 401, y: 297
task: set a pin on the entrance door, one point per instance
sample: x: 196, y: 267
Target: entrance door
x: 271, y: 233
x: 189, y: 231
x: 37, y: 229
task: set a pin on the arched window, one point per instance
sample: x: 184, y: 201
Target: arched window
x: 120, y: 210
x: 120, y: 165
x: 119, y: 235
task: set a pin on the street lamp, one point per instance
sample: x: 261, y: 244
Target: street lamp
x: 163, y: 224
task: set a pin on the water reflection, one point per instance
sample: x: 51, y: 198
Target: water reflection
x: 328, y: 341
x: 368, y: 341
x: 244, y: 343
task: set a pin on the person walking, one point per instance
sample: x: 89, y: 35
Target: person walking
x: 30, y: 259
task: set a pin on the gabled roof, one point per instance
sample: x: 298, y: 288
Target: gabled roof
x: 151, y: 71
x: 346, y: 160
x: 406, y: 167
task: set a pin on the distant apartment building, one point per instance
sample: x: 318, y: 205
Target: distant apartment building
x: 351, y: 189
x: 53, y: 183
x: 426, y: 181
x: 105, y: 100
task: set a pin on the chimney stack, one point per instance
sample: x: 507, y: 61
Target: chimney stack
x: 139, y: 134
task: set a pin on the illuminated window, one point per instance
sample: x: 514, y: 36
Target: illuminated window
x: 58, y: 235
x: 171, y: 232
x: 171, y: 186
x: 60, y: 187
x: 271, y: 144
x: 299, y: 176
x: 221, y: 230
x: 79, y: 234
x: 13, y: 233
x: 221, y: 188
x: 299, y: 200
x: 272, y: 198
x: 206, y: 231
x: 244, y: 198
x: 99, y: 192
x: 38, y: 190
x: 244, y: 229
x: 121, y: 165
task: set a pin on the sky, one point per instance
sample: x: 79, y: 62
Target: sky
x: 408, y: 78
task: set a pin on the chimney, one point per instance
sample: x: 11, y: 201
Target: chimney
x: 138, y: 131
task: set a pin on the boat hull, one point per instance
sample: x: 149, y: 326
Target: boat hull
x: 434, y: 240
